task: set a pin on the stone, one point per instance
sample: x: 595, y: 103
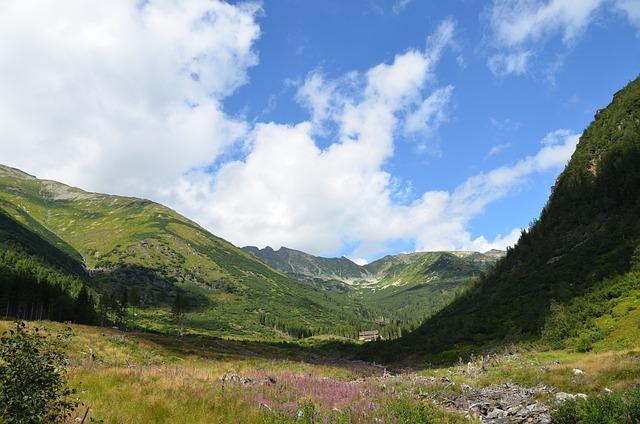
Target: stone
x: 496, y: 413
x: 562, y: 396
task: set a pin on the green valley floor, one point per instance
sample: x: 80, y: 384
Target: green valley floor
x: 147, y: 378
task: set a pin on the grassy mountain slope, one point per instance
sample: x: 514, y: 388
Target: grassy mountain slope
x: 422, y: 267
x: 38, y: 280
x: 17, y: 236
x: 414, y: 286
x: 575, y: 262
x: 127, y: 242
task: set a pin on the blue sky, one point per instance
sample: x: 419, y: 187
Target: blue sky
x: 298, y: 130
x: 562, y: 88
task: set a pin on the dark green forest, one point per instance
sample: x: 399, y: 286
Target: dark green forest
x: 588, y: 232
x: 32, y: 287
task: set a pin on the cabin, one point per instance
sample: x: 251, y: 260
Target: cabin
x: 369, y: 336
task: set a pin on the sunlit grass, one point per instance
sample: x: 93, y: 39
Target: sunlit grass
x: 139, y: 378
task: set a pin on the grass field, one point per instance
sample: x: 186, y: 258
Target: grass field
x: 140, y: 377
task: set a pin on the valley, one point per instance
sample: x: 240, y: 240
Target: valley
x: 405, y: 288
x: 138, y: 257
x: 166, y: 322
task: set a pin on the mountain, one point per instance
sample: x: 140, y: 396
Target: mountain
x: 402, y: 289
x: 408, y: 268
x: 411, y: 287
x: 313, y: 269
x: 401, y: 269
x: 573, y: 278
x: 143, y: 253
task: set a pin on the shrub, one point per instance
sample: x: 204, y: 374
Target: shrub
x: 33, y: 385
x: 614, y: 408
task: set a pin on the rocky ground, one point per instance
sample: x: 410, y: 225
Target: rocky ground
x: 505, y: 403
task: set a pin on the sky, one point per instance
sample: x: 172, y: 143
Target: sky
x: 358, y: 128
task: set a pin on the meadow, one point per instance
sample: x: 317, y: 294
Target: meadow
x: 123, y: 377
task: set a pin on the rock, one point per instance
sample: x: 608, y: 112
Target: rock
x: 236, y: 379
x: 496, y: 413
x: 608, y: 390
x: 581, y: 396
x: 554, y: 260
x: 577, y: 371
x: 562, y: 396
x: 513, y: 410
x: 502, y: 404
x: 537, y: 407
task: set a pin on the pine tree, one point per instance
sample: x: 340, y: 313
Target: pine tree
x: 178, y: 310
x: 83, y: 308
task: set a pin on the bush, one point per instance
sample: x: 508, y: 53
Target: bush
x: 33, y: 385
x: 614, y: 408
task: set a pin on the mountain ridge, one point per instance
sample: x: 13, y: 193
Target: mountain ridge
x: 130, y: 244
x: 402, y: 289
x: 304, y: 265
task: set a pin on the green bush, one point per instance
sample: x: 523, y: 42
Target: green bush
x: 33, y: 385
x: 614, y: 408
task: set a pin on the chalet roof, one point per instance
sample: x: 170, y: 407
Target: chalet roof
x: 369, y: 333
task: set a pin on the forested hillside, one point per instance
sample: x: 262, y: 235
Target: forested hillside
x: 39, y: 281
x: 570, y: 279
x: 400, y: 290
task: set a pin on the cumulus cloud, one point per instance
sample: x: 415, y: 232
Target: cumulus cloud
x: 126, y: 97
x: 120, y: 96
x: 289, y: 191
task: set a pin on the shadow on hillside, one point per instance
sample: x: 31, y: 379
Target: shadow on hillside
x: 209, y: 347
x: 152, y: 286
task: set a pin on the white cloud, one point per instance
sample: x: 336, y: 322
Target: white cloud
x: 632, y: 9
x: 359, y: 261
x: 522, y: 27
x: 428, y: 117
x: 555, y: 138
x: 501, y: 242
x: 126, y: 99
x: 518, y: 21
x: 400, y: 5
x: 447, y: 230
x: 120, y: 96
x: 317, y: 96
x: 513, y: 63
x: 479, y: 190
x: 497, y: 149
x: 289, y: 191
